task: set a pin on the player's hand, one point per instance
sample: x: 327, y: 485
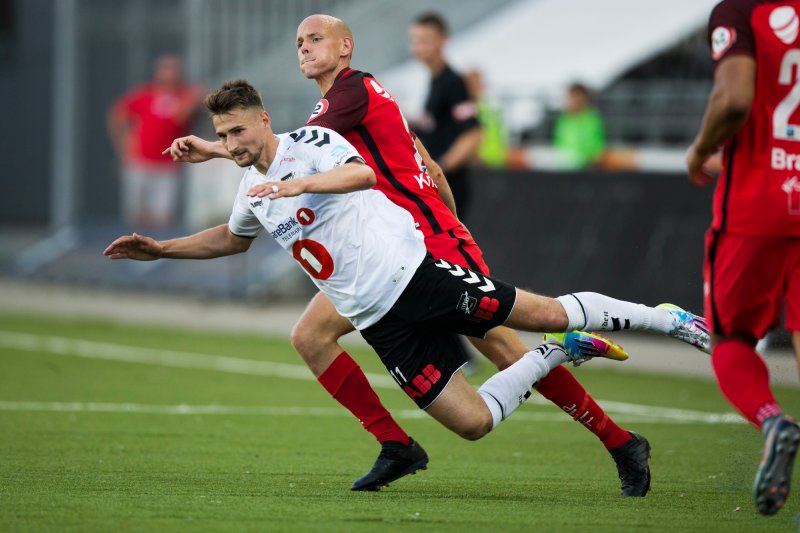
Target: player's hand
x: 696, y: 165
x: 191, y: 149
x: 137, y: 247
x: 278, y: 189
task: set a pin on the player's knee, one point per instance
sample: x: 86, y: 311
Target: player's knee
x: 477, y: 427
x: 298, y: 338
x: 504, y: 361
x: 305, y: 340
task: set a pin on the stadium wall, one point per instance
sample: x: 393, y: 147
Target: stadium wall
x: 633, y: 236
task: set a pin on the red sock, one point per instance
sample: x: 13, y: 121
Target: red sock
x: 346, y: 382
x: 561, y: 388
x: 744, y: 380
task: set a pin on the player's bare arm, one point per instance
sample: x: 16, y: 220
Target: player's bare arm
x: 193, y: 149
x: 207, y: 244
x: 728, y: 108
x: 350, y: 177
x: 437, y: 174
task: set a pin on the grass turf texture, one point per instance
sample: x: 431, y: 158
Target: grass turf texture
x: 101, y: 471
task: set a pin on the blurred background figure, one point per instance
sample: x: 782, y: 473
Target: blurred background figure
x: 449, y: 128
x: 579, y: 135
x: 141, y: 124
x: 494, y: 146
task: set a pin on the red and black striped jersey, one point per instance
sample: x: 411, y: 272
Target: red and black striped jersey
x: 758, y: 192
x: 363, y: 112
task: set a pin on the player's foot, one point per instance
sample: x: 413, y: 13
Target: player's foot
x: 394, y: 462
x: 582, y: 346
x: 771, y: 486
x: 688, y: 327
x: 633, y: 465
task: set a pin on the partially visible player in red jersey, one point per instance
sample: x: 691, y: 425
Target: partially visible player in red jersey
x: 355, y: 105
x: 752, y: 262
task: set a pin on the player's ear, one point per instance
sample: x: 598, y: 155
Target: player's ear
x: 265, y: 118
x: 346, y: 48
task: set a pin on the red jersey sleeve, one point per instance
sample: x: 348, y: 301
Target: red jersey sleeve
x: 344, y: 106
x: 729, y: 30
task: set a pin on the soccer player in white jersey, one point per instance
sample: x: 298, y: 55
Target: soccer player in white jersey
x: 311, y: 191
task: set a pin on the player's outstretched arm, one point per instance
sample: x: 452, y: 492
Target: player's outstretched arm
x: 193, y: 149
x: 727, y: 110
x: 350, y: 177
x: 207, y: 244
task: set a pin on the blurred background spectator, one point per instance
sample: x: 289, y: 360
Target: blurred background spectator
x: 449, y: 127
x: 579, y: 135
x: 141, y: 124
x: 493, y: 149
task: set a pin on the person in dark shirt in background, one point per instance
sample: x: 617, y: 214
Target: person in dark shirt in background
x: 449, y: 129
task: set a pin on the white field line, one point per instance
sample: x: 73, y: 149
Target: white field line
x: 653, y: 416
x: 132, y: 354
x: 117, y: 352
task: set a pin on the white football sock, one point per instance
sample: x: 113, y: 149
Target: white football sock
x: 509, y: 388
x: 596, y: 312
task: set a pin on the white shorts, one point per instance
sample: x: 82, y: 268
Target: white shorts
x: 149, y: 196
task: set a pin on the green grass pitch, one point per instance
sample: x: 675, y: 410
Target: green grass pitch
x: 92, y: 442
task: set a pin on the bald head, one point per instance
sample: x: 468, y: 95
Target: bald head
x: 337, y: 27
x: 324, y: 46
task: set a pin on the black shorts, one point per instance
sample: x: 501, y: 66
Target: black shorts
x: 416, y: 339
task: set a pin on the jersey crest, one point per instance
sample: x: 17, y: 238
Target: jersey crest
x: 320, y: 109
x: 784, y: 24
x: 722, y: 38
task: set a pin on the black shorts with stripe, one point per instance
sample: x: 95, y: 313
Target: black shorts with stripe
x: 416, y: 339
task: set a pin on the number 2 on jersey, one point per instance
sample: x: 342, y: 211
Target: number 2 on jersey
x: 313, y: 256
x: 789, y: 74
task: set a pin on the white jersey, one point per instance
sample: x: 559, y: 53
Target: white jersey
x: 359, y: 248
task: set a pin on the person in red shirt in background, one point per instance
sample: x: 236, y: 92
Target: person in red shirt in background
x: 752, y: 262
x: 140, y: 123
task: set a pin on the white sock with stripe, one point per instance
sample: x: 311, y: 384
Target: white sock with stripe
x: 596, y: 312
x: 509, y: 388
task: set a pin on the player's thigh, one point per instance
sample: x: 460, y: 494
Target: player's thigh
x: 502, y: 346
x: 420, y: 360
x: 461, y: 409
x: 534, y: 312
x: 315, y: 335
x: 745, y: 284
x: 446, y: 297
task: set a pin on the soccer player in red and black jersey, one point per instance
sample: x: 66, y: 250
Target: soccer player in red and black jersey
x: 752, y: 260
x: 355, y: 105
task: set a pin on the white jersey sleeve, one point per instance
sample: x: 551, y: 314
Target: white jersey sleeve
x: 243, y: 222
